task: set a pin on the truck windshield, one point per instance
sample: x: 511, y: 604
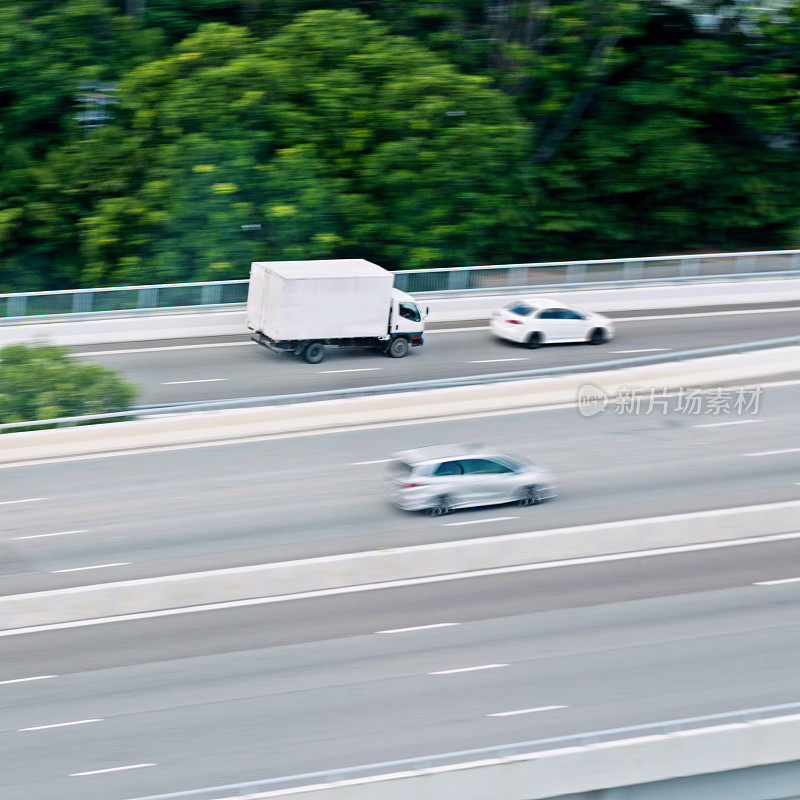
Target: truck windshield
x: 409, y: 311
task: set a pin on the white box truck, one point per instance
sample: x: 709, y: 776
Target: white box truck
x: 301, y: 306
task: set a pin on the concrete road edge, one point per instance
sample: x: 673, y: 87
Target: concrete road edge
x: 411, y: 407
x: 378, y: 569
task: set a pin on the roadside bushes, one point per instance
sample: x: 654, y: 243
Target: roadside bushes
x: 43, y: 382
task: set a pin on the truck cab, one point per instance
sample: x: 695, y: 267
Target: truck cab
x: 406, y: 319
x: 406, y: 316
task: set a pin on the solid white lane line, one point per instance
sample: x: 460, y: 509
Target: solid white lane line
x: 744, y: 312
x: 777, y: 582
x: 160, y: 349
x: 110, y: 769
x: 643, y: 350
x: 25, y: 680
x: 774, y: 452
x: 94, y: 566
x: 497, y: 360
x: 772, y: 384
x: 46, y: 535
x: 525, y: 711
x: 458, y: 330
x: 476, y: 521
x: 376, y: 461
x: 467, y: 669
x: 421, y: 627
x: 201, y: 380
x: 60, y: 725
x: 29, y: 500
x: 723, y: 424
x: 369, y: 587
x: 358, y: 369
x: 125, y: 351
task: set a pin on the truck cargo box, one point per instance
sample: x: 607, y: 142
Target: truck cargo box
x: 336, y: 299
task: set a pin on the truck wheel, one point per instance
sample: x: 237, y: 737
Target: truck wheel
x: 398, y: 348
x: 314, y: 353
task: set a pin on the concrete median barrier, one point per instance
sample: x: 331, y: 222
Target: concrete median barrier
x: 421, y: 406
x: 756, y: 759
x: 459, y: 558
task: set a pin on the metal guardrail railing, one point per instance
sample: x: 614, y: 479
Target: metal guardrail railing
x: 513, y: 289
x: 533, y: 276
x: 421, y: 763
x: 570, y: 273
x: 390, y: 388
x: 123, y: 298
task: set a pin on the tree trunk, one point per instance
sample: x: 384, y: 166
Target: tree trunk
x: 595, y: 72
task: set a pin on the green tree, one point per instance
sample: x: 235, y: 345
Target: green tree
x: 47, y: 50
x: 414, y: 132
x: 334, y: 136
x: 42, y: 382
x: 678, y: 155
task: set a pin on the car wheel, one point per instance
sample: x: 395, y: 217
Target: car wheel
x: 530, y: 496
x: 598, y: 336
x: 398, y: 348
x: 441, y: 507
x: 314, y: 353
x: 534, y: 341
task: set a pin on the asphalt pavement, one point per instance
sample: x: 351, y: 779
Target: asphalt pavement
x: 182, y: 509
x: 210, y: 698
x: 126, y: 709
x: 218, y: 368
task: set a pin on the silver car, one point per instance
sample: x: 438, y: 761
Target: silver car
x: 443, y: 478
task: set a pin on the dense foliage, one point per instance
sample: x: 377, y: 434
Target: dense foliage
x: 414, y: 133
x: 43, y: 382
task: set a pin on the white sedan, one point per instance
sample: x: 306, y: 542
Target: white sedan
x: 535, y: 321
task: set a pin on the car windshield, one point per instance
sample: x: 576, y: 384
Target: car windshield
x: 521, y: 309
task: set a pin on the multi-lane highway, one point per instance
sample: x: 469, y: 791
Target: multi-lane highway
x: 125, y: 709
x: 202, y: 698
x: 230, y: 366
x: 178, y: 509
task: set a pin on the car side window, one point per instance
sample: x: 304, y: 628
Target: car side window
x: 550, y: 313
x: 483, y: 466
x: 448, y: 468
x: 410, y: 311
x: 568, y: 313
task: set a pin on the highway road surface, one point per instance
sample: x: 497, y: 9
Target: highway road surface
x: 167, y: 703
x: 182, y: 509
x: 127, y: 709
x: 232, y: 366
